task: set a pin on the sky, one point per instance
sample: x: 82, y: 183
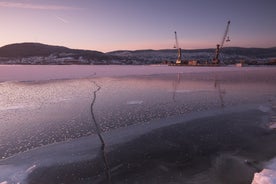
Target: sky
x: 108, y: 25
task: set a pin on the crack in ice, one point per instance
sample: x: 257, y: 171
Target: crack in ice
x: 98, y: 131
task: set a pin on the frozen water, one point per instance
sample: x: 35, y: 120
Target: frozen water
x: 119, y: 142
x: 30, y: 169
x: 55, y: 102
x: 135, y: 102
x: 264, y: 108
x: 271, y: 164
x: 50, y: 72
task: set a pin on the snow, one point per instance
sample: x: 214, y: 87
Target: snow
x: 267, y: 175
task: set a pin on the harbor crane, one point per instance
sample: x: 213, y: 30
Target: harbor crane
x: 225, y: 38
x: 179, y: 54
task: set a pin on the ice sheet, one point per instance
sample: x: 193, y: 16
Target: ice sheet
x: 59, y: 110
x: 18, y: 167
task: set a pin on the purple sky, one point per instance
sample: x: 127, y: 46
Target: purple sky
x: 107, y: 25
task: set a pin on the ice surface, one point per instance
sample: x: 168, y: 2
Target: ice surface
x: 135, y: 102
x: 30, y: 169
x: 18, y: 167
x: 38, y: 72
x: 264, y: 108
x: 60, y: 109
x: 271, y: 164
x: 35, y: 98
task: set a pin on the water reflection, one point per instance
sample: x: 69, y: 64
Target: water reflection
x: 175, y: 85
x: 221, y: 92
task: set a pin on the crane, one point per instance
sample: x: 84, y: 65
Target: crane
x: 220, y: 46
x: 178, y: 61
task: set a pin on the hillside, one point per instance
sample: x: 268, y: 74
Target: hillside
x: 37, y: 53
x: 30, y: 49
x: 229, y: 55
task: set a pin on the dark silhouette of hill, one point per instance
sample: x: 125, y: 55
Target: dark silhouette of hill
x: 30, y: 49
x: 15, y: 54
x: 250, y: 52
x: 38, y: 49
x: 20, y: 50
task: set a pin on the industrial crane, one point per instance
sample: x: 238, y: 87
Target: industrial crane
x: 220, y: 46
x: 178, y: 61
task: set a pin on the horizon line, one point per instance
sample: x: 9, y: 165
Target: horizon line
x: 116, y: 50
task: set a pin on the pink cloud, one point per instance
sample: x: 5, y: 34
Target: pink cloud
x: 34, y: 6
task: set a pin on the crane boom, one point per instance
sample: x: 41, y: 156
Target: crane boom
x: 220, y: 46
x: 225, y: 35
x: 176, y: 40
x: 178, y: 61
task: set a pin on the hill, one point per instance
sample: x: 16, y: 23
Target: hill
x: 37, y: 53
x: 229, y: 55
x: 30, y: 49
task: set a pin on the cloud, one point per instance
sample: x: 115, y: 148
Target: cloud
x: 34, y: 6
x: 62, y: 19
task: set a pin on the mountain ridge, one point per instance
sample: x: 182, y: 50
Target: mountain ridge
x: 39, y: 53
x: 35, y: 49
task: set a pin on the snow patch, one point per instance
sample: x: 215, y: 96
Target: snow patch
x: 267, y: 176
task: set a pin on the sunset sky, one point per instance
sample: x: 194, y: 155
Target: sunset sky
x: 107, y: 25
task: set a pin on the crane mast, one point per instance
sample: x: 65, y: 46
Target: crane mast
x: 179, y: 54
x: 220, y: 46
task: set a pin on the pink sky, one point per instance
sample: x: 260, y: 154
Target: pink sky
x: 114, y: 25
